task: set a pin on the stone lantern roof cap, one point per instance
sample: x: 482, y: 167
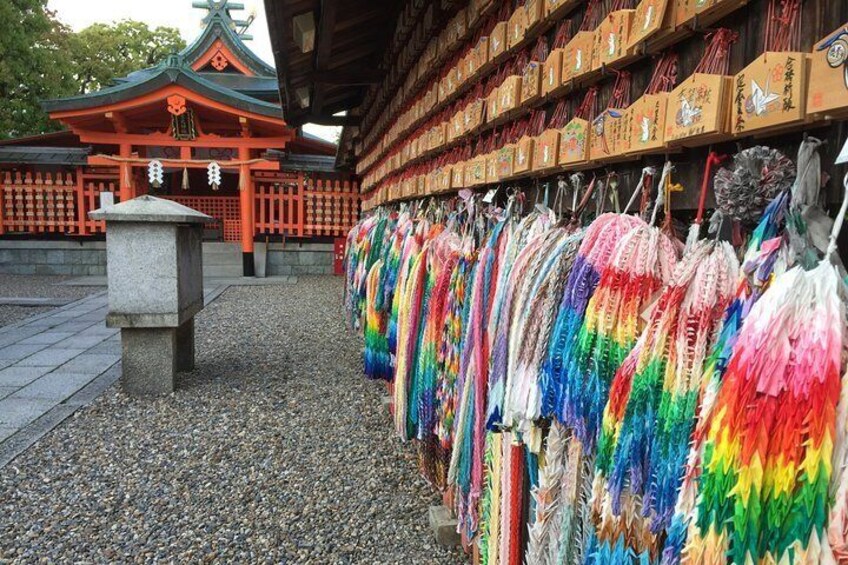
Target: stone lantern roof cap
x: 150, y: 209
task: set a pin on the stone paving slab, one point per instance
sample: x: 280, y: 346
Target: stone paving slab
x: 16, y: 414
x: 47, y: 338
x: 55, y: 362
x: 50, y: 357
x: 17, y: 376
x: 53, y: 386
x: 27, y: 301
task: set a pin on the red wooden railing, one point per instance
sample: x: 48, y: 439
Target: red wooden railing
x: 88, y: 192
x: 278, y: 204
x: 225, y: 210
x: 332, y: 207
x: 284, y: 203
x: 39, y: 203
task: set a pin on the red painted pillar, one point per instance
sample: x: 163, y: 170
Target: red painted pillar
x: 246, y: 197
x: 82, y: 212
x: 126, y: 188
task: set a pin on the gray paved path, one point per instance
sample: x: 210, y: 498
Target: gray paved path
x: 54, y: 363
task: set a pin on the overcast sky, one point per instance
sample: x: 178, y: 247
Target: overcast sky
x: 175, y: 13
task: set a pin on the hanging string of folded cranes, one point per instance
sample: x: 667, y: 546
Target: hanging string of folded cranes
x: 590, y: 389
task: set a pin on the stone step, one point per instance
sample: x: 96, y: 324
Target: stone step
x: 222, y: 270
x: 224, y: 255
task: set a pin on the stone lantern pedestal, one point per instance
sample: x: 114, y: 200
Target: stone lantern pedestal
x: 155, y: 275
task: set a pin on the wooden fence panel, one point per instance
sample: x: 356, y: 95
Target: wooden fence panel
x: 39, y: 203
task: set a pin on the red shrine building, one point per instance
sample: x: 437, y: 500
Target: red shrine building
x: 204, y: 128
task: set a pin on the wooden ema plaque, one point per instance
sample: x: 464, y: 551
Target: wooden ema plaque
x: 493, y: 105
x: 516, y: 27
x: 445, y: 178
x: 827, y: 93
x: 531, y: 82
x: 506, y: 161
x: 604, y: 135
x: 623, y: 132
x: 647, y: 123
x: 650, y: 17
x: 611, y: 38
x: 546, y: 152
x: 577, y: 56
x: 523, y: 155
x: 697, y: 110
x: 552, y: 72
x: 574, y: 143
x: 498, y: 40
x: 475, y: 172
x: 509, y: 94
x: 481, y: 52
x: 492, y: 167
x: 473, y: 115
x: 534, y: 10
x: 770, y: 93
x: 458, y: 175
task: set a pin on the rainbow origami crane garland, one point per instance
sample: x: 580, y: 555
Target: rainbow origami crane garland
x: 535, y: 313
x: 455, y: 321
x: 595, y: 250
x: 652, y: 403
x: 466, y: 465
x: 757, y: 274
x: 767, y: 457
x: 653, y: 413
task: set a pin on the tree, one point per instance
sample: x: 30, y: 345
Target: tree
x: 35, y: 64
x: 40, y: 59
x: 103, y: 52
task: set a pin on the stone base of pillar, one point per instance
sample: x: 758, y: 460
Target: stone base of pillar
x: 148, y: 358
x: 151, y: 358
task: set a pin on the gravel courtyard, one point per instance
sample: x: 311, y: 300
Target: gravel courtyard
x: 35, y: 286
x: 274, y: 450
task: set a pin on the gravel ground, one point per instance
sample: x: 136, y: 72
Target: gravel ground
x: 34, y: 286
x: 274, y: 450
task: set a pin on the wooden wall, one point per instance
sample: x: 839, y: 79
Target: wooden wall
x: 819, y: 17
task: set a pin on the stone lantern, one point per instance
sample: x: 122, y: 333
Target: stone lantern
x: 155, y: 275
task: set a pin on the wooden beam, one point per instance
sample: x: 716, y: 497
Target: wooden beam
x: 281, y: 58
x: 163, y: 139
x: 265, y: 165
x: 351, y: 76
x: 324, y: 120
x: 118, y: 121
x: 324, y: 48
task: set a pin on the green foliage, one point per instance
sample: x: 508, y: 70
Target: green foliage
x: 40, y: 58
x: 103, y: 52
x: 34, y: 64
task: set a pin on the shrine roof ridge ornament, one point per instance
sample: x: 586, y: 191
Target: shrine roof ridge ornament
x: 219, y: 25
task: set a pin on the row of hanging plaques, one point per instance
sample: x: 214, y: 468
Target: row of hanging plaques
x: 778, y: 90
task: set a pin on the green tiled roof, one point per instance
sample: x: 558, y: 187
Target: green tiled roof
x: 258, y: 94
x: 174, y: 70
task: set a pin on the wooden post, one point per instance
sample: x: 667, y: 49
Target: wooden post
x: 125, y: 189
x: 246, y: 198
x: 4, y: 180
x: 82, y: 209
x: 301, y: 197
